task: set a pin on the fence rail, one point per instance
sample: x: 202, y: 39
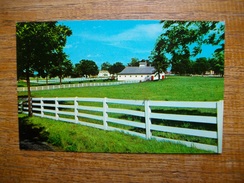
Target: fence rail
x: 130, y: 115
x: 65, y: 80
x: 78, y: 85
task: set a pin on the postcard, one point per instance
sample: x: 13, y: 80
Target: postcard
x: 121, y: 86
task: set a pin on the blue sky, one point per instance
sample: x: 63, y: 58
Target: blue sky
x: 113, y: 40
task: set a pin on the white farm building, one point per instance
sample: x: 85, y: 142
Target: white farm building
x: 103, y: 74
x: 141, y: 73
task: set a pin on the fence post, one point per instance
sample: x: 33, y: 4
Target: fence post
x: 20, y: 107
x: 56, y: 108
x: 42, y: 108
x: 76, y: 104
x: 220, y: 112
x: 105, y: 114
x: 147, y: 119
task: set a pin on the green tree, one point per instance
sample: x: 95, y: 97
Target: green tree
x: 134, y: 62
x: 217, y: 63
x: 62, y: 67
x: 37, y: 44
x: 158, y: 57
x: 116, y: 68
x: 77, y: 71
x: 105, y: 66
x: 181, y: 41
x: 201, y: 65
x: 87, y: 68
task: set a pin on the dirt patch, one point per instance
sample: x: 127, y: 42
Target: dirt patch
x: 33, y: 137
x: 27, y: 144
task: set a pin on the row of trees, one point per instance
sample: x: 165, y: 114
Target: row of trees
x: 88, y: 67
x: 40, y: 53
x: 180, y: 42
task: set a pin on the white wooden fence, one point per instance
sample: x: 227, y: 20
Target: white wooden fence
x: 78, y: 85
x: 103, y: 113
x: 64, y: 80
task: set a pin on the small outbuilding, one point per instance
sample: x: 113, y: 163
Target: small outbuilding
x: 104, y: 74
x: 140, y: 73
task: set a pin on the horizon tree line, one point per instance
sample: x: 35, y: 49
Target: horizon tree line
x: 40, y: 51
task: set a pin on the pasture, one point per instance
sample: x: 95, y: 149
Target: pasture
x: 174, y: 88
x: 171, y: 89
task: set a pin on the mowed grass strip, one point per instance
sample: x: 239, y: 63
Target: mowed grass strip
x: 174, y: 88
x: 78, y: 138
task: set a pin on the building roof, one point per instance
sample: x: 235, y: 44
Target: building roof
x: 138, y: 70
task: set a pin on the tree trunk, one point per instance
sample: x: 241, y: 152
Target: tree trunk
x: 29, y: 93
x: 60, y: 80
x: 158, y: 76
x: 46, y: 80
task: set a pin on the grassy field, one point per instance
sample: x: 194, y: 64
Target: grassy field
x: 173, y: 88
x: 77, y: 138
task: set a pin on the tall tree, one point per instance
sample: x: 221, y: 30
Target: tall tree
x: 62, y: 67
x: 77, y: 71
x: 105, y: 66
x: 37, y: 44
x: 158, y: 57
x: 180, y: 41
x: 134, y: 62
x: 217, y: 63
x: 116, y: 68
x: 87, y: 68
x: 201, y: 65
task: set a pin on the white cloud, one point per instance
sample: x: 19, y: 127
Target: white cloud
x: 144, y: 31
x: 93, y: 55
x: 139, y: 32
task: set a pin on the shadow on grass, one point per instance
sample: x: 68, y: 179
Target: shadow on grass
x: 32, y: 137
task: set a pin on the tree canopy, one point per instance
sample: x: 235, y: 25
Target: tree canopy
x: 181, y: 41
x: 116, y: 68
x: 86, y: 68
x: 38, y: 45
x: 62, y: 67
x: 105, y: 66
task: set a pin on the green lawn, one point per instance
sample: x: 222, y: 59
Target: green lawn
x: 172, y: 89
x: 78, y: 138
